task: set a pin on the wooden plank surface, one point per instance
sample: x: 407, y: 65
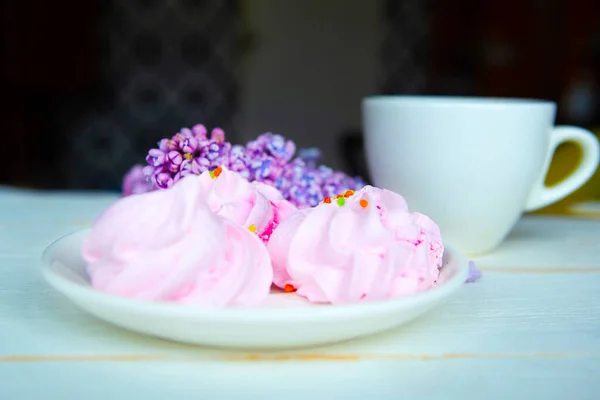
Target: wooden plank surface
x: 529, y: 329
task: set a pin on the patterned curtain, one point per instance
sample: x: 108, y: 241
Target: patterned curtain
x: 166, y: 64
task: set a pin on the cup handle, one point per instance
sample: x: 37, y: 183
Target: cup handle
x: 543, y: 195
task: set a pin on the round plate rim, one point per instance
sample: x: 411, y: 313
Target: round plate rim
x: 249, y: 314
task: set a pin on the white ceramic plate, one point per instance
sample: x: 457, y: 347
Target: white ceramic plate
x: 285, y: 320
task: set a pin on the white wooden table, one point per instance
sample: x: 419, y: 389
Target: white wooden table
x: 530, y: 329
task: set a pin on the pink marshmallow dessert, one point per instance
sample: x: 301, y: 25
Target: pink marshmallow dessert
x: 197, y: 243
x: 254, y: 205
x: 218, y: 240
x: 358, y: 246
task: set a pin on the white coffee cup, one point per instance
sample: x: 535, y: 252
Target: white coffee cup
x: 474, y: 165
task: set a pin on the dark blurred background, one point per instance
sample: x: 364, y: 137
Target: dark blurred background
x: 89, y: 86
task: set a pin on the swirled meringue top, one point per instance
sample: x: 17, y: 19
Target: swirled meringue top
x: 169, y: 246
x: 256, y: 206
x: 364, y: 245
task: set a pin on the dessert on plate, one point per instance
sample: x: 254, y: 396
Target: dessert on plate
x: 362, y: 245
x: 170, y: 246
x: 212, y: 224
x: 256, y: 206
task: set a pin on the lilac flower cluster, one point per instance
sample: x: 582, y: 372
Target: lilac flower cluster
x: 474, y: 273
x: 268, y: 159
x: 190, y: 151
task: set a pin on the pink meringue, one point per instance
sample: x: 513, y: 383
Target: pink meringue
x: 169, y: 246
x: 368, y: 246
x: 255, y: 205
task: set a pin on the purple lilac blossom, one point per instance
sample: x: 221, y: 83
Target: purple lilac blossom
x: 268, y: 159
x: 474, y: 273
x: 311, y: 156
x: 135, y: 181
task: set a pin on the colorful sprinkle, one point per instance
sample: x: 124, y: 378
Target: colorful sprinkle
x: 341, y: 201
x: 252, y: 228
x: 327, y: 200
x: 212, y: 174
x: 218, y: 171
x: 289, y: 288
x: 363, y: 203
x: 348, y: 193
